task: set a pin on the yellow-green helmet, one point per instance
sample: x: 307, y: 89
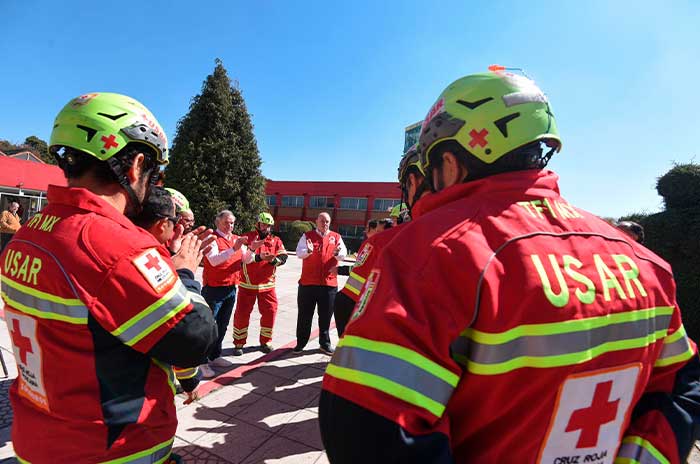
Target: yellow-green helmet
x: 266, y: 218
x: 489, y: 115
x: 179, y: 200
x: 101, y: 124
x: 410, y: 158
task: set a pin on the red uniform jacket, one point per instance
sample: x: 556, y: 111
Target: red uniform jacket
x: 227, y: 273
x: 315, y: 269
x: 81, y: 284
x: 260, y: 276
x: 526, y: 331
x: 366, y: 257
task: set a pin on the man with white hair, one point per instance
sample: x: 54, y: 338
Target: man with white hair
x: 9, y: 224
x: 322, y: 250
x: 222, y: 267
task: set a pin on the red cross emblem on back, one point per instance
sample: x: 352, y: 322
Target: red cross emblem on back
x: 109, y: 142
x: 478, y: 138
x: 153, y: 262
x: 22, y: 342
x: 589, y: 420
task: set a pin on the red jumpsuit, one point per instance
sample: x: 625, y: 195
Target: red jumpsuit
x: 258, y: 283
x: 87, y: 295
x: 522, y: 329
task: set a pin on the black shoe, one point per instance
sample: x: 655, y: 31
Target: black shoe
x: 327, y: 350
x: 237, y: 351
x: 266, y: 348
x: 298, y: 349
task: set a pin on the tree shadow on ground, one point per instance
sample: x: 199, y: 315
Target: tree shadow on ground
x: 268, y: 414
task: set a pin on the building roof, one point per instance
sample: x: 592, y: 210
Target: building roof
x: 343, y: 189
x: 31, y: 175
x: 27, y: 156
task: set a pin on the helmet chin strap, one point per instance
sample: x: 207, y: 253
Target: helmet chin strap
x: 118, y: 169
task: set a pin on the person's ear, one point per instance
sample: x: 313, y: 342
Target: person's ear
x: 136, y: 169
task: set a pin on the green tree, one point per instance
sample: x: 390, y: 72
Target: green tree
x: 214, y: 158
x: 40, y: 148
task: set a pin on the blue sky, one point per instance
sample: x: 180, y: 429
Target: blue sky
x: 331, y: 86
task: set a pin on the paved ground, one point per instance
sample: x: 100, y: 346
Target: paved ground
x: 263, y: 409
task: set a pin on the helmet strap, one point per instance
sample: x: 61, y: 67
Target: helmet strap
x: 119, y: 170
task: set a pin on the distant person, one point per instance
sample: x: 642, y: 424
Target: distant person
x: 258, y: 283
x: 632, y: 229
x: 321, y: 250
x: 222, y: 268
x: 9, y: 224
x: 182, y: 209
x: 410, y: 176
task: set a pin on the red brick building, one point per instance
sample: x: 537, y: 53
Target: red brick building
x: 350, y: 204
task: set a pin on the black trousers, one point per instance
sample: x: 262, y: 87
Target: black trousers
x: 342, y: 311
x: 308, y: 298
x: 4, y: 240
x: 221, y: 300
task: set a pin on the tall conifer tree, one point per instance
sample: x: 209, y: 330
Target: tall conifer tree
x: 214, y: 158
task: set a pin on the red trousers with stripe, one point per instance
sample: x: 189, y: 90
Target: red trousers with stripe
x: 267, y: 305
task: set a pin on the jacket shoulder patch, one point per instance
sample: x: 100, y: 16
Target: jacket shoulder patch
x: 153, y: 267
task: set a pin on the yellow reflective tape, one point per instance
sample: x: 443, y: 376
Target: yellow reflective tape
x: 352, y: 289
x: 184, y: 374
x: 641, y: 442
x: 574, y: 325
x: 625, y: 461
x: 387, y: 386
x: 42, y: 314
x: 563, y: 359
x: 402, y: 353
x: 143, y: 454
x: 675, y: 359
x: 675, y: 336
x: 39, y: 294
x: 157, y: 304
x: 169, y: 373
x: 158, y: 323
x: 358, y: 277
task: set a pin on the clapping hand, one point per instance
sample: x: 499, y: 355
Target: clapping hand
x: 240, y: 241
x: 309, y: 245
x: 256, y: 244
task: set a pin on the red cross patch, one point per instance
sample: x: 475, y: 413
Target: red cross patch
x: 109, y: 142
x: 478, y: 138
x: 153, y: 267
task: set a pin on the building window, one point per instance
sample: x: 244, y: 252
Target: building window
x: 351, y: 231
x: 385, y: 204
x: 353, y: 203
x: 293, y: 201
x: 271, y: 200
x: 321, y: 202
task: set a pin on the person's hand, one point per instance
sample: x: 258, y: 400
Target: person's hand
x: 337, y: 250
x: 309, y: 245
x: 266, y: 256
x: 333, y: 270
x: 176, y: 241
x: 207, y: 237
x: 191, y: 397
x: 190, y: 253
x: 256, y: 244
x: 240, y: 241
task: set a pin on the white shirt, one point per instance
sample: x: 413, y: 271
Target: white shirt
x: 303, y: 251
x: 216, y: 257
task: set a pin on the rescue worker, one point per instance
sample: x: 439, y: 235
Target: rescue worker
x: 520, y: 328
x: 158, y: 217
x: 411, y: 180
x: 182, y: 209
x: 258, y: 283
x: 222, y: 270
x: 94, y: 306
x: 632, y: 229
x: 322, y: 250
